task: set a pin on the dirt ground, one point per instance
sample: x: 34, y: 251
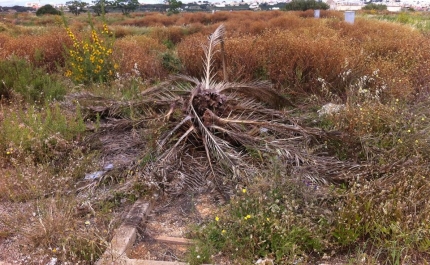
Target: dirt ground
x: 168, y: 218
x: 171, y: 219
x: 11, y: 241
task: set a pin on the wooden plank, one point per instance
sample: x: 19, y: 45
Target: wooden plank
x: 174, y: 240
x: 153, y: 262
x: 125, y: 236
x: 137, y: 214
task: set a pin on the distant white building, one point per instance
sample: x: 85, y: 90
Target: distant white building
x: 220, y: 4
x: 234, y: 3
x: 33, y: 5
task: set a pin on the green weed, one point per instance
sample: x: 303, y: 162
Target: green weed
x: 32, y: 84
x: 43, y: 133
x: 266, y: 223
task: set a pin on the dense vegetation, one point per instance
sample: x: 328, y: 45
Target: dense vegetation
x: 303, y: 5
x: 372, y: 6
x: 47, y: 10
x: 299, y: 185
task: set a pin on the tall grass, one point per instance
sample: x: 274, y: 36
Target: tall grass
x: 140, y: 56
x: 42, y: 50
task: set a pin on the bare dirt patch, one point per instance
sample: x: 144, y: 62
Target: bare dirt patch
x: 11, y: 240
x: 172, y: 218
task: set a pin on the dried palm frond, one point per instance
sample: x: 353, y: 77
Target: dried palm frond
x: 209, y: 51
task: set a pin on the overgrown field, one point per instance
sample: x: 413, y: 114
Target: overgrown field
x: 138, y: 99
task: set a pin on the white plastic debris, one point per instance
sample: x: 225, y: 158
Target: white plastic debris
x: 264, y: 262
x: 99, y: 174
x: 53, y: 261
x: 330, y: 109
x: 108, y: 167
x: 94, y: 175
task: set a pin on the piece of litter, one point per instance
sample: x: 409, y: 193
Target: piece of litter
x: 330, y: 109
x: 264, y: 262
x: 53, y: 261
x: 108, y: 167
x: 94, y: 175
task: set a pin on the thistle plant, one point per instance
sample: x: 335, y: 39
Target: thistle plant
x: 90, y: 60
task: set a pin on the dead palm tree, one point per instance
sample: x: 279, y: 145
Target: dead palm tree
x: 217, y: 133
x: 214, y: 125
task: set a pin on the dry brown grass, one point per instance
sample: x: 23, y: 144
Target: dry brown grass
x: 296, y: 52
x: 191, y: 55
x: 241, y: 60
x: 44, y: 50
x: 151, y: 20
x: 173, y: 34
x: 291, y: 49
x: 48, y: 20
x: 193, y: 18
x: 140, y: 53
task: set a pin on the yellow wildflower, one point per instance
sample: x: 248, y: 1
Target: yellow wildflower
x: 68, y: 73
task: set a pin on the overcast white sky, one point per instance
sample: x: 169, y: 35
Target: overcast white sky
x: 44, y: 2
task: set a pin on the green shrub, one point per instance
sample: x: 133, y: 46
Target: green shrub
x: 386, y: 212
x: 47, y: 10
x: 372, y: 6
x: 33, y: 84
x: 171, y: 62
x: 404, y: 18
x: 303, y: 5
x: 44, y: 133
x: 263, y: 222
x: 174, y: 6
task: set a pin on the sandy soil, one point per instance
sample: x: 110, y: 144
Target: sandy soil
x: 171, y: 219
x: 11, y: 240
